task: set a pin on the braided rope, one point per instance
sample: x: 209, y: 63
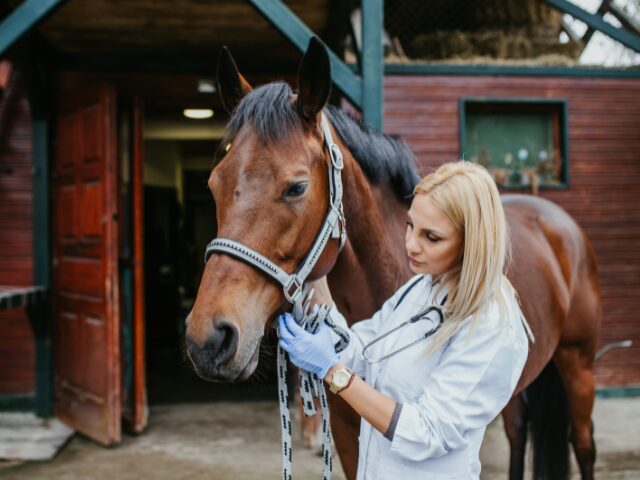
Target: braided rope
x: 310, y: 385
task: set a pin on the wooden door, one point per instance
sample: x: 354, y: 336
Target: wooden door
x: 85, y: 270
x: 130, y: 140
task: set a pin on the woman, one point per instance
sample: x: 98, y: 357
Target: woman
x: 425, y: 402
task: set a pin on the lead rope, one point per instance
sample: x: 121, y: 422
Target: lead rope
x: 310, y: 385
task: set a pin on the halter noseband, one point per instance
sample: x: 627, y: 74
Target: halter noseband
x: 333, y: 227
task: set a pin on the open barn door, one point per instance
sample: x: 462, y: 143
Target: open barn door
x: 87, y: 377
x: 131, y: 154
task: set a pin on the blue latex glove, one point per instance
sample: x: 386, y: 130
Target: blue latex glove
x: 314, y: 353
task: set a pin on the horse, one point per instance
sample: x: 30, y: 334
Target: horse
x: 270, y: 189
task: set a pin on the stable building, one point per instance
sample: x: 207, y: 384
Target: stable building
x: 104, y: 211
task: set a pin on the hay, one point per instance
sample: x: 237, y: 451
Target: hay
x: 495, y: 44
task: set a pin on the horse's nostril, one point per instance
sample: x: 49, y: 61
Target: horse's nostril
x: 219, y: 347
x: 228, y: 344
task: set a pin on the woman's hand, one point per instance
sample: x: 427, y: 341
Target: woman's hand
x: 312, y: 352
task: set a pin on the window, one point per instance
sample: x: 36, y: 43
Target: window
x: 521, y: 142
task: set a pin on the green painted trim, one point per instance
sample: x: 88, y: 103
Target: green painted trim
x: 41, y: 317
x: 372, y: 63
x: 564, y: 138
x: 41, y: 217
x: 126, y: 282
x: 504, y: 70
x: 618, y: 392
x: 276, y: 12
x: 621, y: 35
x: 17, y: 403
x: 23, y: 19
x: 564, y: 125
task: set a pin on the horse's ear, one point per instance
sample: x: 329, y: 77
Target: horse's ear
x: 231, y: 84
x: 314, y: 80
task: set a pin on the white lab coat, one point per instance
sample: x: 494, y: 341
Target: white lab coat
x: 448, y: 397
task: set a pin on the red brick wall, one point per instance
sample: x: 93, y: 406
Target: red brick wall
x: 604, y: 170
x: 17, y: 352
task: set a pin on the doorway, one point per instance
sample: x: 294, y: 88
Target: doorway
x: 180, y: 220
x: 131, y: 214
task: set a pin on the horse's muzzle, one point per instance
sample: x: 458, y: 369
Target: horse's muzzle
x: 219, y: 347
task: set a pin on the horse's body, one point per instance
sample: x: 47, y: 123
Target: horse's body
x: 553, y: 267
x: 554, y: 273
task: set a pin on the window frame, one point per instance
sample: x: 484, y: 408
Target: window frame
x: 558, y: 107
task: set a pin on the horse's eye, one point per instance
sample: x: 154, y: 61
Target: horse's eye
x: 295, y: 189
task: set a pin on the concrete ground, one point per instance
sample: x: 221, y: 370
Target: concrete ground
x: 617, y: 437
x: 233, y: 440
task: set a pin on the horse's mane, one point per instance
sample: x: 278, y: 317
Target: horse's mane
x: 383, y: 158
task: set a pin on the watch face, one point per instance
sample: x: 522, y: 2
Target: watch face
x: 341, y: 378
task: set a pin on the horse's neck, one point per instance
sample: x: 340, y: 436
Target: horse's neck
x: 373, y: 262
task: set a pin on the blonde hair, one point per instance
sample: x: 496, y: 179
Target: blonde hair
x: 469, y: 198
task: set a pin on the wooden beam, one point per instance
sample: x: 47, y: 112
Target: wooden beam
x: 276, y: 12
x: 628, y: 39
x: 372, y: 63
x: 511, y: 71
x: 23, y: 19
x: 602, y: 9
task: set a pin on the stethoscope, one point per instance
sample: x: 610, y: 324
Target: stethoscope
x: 423, y: 315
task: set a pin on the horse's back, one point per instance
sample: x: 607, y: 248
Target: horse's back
x: 568, y: 241
x: 553, y: 271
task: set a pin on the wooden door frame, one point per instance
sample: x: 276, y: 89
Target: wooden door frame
x: 136, y: 412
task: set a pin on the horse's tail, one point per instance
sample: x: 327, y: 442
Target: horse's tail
x: 549, y: 417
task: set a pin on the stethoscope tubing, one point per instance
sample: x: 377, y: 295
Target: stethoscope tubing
x: 420, y: 316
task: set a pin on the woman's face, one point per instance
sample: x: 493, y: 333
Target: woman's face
x: 434, y: 246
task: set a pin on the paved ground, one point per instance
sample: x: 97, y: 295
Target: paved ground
x: 617, y: 436
x: 231, y: 440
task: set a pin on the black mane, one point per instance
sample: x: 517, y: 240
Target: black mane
x: 383, y: 158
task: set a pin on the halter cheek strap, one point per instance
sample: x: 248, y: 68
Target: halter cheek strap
x: 332, y: 227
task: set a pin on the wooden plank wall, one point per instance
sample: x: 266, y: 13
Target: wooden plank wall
x: 17, y: 352
x: 604, y: 169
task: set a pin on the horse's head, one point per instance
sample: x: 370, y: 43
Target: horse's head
x: 271, y: 194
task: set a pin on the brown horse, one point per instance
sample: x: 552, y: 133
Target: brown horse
x: 271, y: 194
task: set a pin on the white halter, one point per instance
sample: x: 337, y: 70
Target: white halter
x: 333, y: 227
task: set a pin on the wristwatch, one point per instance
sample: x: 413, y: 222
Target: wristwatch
x: 341, y: 379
